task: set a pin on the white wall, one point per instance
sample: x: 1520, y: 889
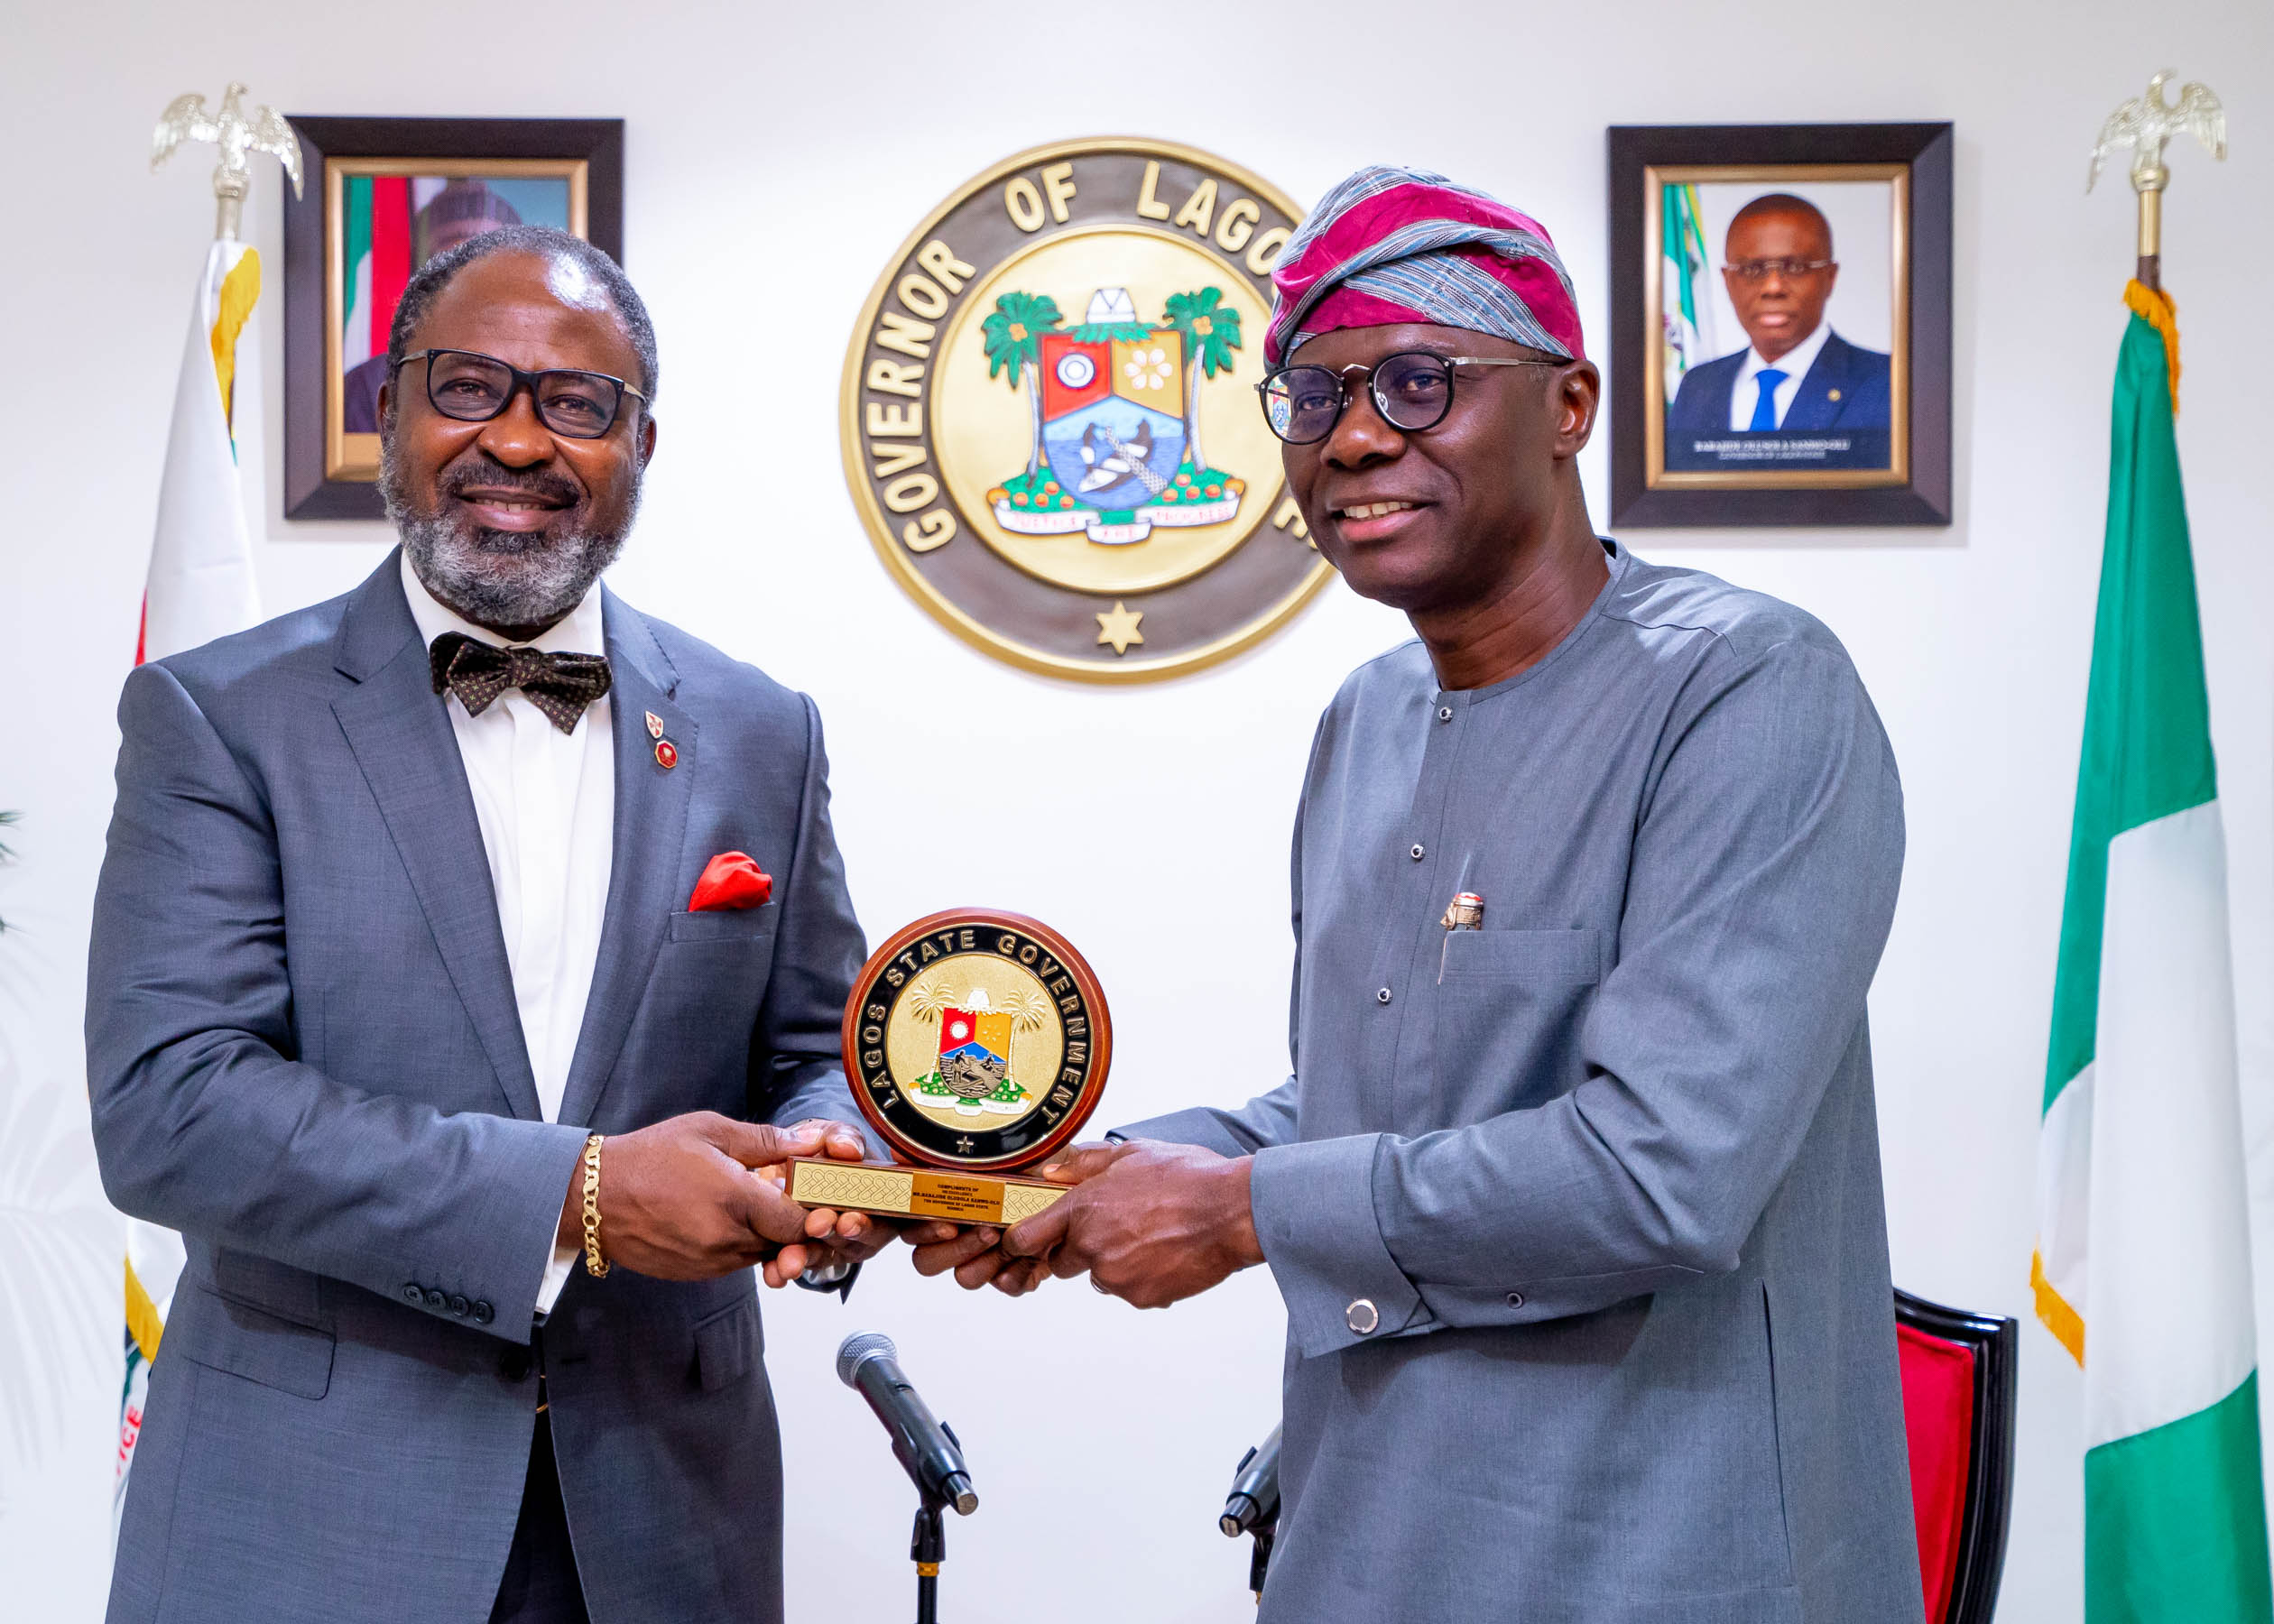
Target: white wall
x: 776, y: 156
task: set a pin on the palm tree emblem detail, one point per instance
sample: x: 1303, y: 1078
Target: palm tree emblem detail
x: 1012, y: 335
x: 977, y: 1039
x: 1116, y: 410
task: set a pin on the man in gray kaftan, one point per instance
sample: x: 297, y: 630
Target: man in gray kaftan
x: 1577, y: 1215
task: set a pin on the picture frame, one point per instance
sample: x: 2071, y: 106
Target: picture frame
x: 382, y: 196
x: 1737, y: 254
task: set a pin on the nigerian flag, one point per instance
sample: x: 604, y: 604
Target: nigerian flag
x: 1686, y: 311
x: 2143, y: 1261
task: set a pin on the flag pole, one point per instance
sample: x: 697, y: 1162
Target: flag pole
x: 200, y: 584
x: 238, y: 137
x: 2146, y: 124
x: 2142, y: 1269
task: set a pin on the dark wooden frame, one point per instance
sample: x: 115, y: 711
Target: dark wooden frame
x: 597, y: 142
x: 1101, y: 1025
x: 1926, y: 150
x: 1987, y: 1513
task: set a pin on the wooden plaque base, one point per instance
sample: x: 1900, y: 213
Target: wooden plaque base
x: 898, y: 1191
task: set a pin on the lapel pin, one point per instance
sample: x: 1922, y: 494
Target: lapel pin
x: 666, y: 754
x: 655, y: 726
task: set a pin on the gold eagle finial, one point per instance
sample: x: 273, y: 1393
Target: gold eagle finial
x: 2147, y: 123
x: 237, y: 136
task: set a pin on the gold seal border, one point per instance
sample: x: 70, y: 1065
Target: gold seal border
x: 879, y: 531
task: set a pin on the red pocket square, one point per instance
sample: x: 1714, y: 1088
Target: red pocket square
x: 733, y: 880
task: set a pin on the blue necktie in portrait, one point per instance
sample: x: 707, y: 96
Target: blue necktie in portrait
x: 1764, y: 416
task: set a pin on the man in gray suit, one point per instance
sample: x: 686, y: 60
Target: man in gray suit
x: 459, y: 943
x: 1574, y: 1195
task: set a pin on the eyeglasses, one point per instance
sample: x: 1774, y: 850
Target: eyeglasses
x: 474, y: 388
x: 1412, y: 391
x: 1758, y: 269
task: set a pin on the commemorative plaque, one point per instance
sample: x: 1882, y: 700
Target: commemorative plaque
x: 976, y: 1044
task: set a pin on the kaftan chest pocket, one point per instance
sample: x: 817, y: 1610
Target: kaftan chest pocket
x: 1509, y: 1011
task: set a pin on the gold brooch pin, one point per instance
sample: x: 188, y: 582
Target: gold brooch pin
x: 1465, y: 912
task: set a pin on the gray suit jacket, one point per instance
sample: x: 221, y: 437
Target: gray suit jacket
x: 1577, y: 1216
x: 304, y: 1054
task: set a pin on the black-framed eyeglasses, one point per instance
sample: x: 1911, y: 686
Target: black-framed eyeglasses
x: 1412, y: 390
x: 473, y: 388
x: 1760, y: 269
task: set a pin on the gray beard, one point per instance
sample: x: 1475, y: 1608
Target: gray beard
x: 501, y: 578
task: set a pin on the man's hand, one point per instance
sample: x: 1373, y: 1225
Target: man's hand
x: 679, y: 1200
x: 975, y: 1255
x: 1155, y: 1225
x: 830, y: 1237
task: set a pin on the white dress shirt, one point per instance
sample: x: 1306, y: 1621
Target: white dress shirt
x: 546, y: 803
x: 1793, y: 363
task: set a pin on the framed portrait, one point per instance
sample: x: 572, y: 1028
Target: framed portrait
x: 385, y: 196
x: 1780, y: 324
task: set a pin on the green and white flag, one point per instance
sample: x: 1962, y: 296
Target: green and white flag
x: 1685, y: 309
x: 2143, y: 1261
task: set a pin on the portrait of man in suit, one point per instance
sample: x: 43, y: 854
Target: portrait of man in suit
x: 1798, y: 395
x: 460, y: 210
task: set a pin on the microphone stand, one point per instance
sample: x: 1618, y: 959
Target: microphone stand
x: 1261, y: 1561
x: 926, y: 1447
x: 927, y: 1549
x: 1254, y: 1506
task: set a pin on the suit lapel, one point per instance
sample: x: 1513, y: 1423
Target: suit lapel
x: 1713, y: 421
x: 402, y: 739
x: 651, y: 831
x: 1814, y: 408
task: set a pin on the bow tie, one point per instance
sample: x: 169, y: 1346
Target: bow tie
x: 560, y: 685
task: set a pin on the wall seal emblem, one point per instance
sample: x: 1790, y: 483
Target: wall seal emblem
x: 1048, y: 418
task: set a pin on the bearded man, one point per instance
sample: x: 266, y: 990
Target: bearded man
x: 1574, y: 1194
x: 459, y: 943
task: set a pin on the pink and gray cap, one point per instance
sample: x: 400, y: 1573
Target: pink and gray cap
x: 1396, y: 245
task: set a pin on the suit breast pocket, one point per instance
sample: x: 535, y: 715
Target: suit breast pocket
x: 725, y: 925
x: 693, y: 1036
x: 1508, y: 1018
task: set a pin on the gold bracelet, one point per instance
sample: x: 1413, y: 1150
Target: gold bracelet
x: 594, y: 1264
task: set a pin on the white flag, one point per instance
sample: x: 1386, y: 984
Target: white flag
x: 200, y: 586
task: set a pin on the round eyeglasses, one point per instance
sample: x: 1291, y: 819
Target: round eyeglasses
x: 1412, y: 391
x: 1791, y: 269
x: 473, y: 388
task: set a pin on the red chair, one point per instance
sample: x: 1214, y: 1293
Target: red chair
x: 1959, y: 1371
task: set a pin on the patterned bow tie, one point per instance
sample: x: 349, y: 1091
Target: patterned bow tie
x: 560, y: 685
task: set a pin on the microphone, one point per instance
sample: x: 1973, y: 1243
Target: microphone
x: 1254, y: 1500
x: 869, y: 1364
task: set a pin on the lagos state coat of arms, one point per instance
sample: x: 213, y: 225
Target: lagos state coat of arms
x: 1050, y: 420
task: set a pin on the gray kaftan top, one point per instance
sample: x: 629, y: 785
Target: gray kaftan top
x: 1577, y: 1216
